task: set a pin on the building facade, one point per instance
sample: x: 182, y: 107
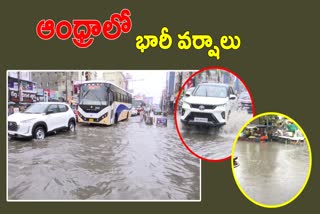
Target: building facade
x: 57, y: 86
x: 117, y: 78
x: 22, y: 75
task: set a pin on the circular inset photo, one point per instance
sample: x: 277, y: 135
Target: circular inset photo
x: 271, y: 160
x: 211, y: 106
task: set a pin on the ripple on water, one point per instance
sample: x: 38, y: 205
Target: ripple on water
x: 127, y: 161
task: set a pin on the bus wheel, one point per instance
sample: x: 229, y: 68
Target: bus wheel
x: 116, y: 118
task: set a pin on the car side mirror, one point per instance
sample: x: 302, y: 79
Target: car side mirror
x: 49, y: 111
x: 232, y: 97
x: 188, y: 94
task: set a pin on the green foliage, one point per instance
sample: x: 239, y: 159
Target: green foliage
x: 269, y: 119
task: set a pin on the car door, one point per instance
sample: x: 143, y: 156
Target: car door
x: 64, y: 115
x: 52, y: 114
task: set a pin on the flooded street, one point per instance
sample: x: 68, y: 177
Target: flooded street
x: 213, y: 143
x: 126, y: 161
x: 271, y: 173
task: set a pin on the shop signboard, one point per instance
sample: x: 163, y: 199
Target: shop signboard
x: 29, y: 97
x: 13, y: 96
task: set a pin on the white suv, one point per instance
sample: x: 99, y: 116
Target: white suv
x: 41, y: 118
x: 209, y: 104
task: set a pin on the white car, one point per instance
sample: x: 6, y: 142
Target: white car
x: 41, y: 118
x: 134, y: 111
x: 189, y: 91
x: 209, y: 104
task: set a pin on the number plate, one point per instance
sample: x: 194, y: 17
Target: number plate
x: 91, y: 120
x: 200, y: 119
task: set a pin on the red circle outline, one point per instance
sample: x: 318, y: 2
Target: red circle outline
x: 177, y: 103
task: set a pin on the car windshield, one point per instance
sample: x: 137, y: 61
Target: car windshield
x: 211, y: 91
x: 93, y: 94
x: 244, y: 96
x: 37, y: 108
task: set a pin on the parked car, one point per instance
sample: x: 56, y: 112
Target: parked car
x: 244, y: 102
x: 209, y: 104
x: 157, y: 111
x: 41, y: 118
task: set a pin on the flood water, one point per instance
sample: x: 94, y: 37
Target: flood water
x: 213, y: 143
x: 126, y: 161
x: 271, y: 173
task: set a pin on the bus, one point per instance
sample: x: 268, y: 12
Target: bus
x: 102, y: 102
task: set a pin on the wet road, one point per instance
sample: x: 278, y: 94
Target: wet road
x: 126, y: 161
x: 213, y: 143
x: 271, y: 173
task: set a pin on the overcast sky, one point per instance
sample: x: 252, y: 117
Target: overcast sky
x: 148, y: 82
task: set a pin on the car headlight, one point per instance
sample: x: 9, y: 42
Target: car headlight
x: 185, y: 103
x: 27, y: 121
x: 223, y: 105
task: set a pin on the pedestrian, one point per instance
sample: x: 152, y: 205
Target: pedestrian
x: 141, y: 115
x: 292, y: 128
x: 263, y: 138
x: 248, y: 133
x: 269, y: 134
x: 10, y: 110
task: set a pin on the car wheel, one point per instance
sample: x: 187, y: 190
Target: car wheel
x: 71, y: 126
x: 184, y: 126
x: 39, y: 133
x: 12, y: 138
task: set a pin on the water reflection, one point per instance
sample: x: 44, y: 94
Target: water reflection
x: 271, y: 173
x: 127, y: 161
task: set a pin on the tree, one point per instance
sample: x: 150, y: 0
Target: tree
x: 268, y: 119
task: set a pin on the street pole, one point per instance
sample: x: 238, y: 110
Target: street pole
x: 19, y: 90
x: 66, y: 86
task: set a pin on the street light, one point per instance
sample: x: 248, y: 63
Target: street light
x: 134, y: 80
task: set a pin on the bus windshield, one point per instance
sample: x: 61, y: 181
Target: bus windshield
x: 93, y: 94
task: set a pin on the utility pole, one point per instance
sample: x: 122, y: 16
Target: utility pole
x: 66, y: 86
x: 180, y: 80
x: 132, y: 81
x: 19, y: 90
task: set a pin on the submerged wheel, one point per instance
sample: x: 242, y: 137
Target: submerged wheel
x: 71, y: 126
x: 184, y: 126
x: 116, y: 119
x: 39, y: 133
